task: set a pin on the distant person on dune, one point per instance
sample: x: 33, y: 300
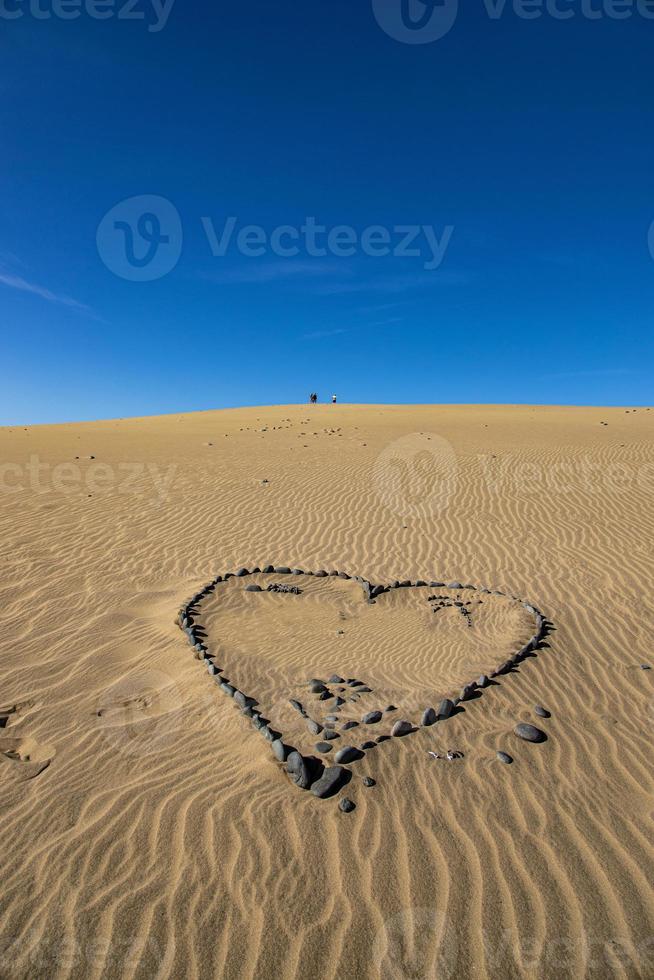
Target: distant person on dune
x: 313, y: 398
x: 333, y: 399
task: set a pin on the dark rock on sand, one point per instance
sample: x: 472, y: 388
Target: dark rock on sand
x: 371, y: 718
x: 316, y: 686
x: 428, y: 717
x: 314, y: 726
x: 505, y: 757
x: 541, y: 711
x: 445, y: 708
x: 297, y: 705
x: 324, y: 747
x: 367, y: 745
x: 483, y: 681
x: 297, y: 769
x: 368, y: 781
x: 349, y: 724
x: 253, y: 588
x: 348, y: 754
x: 346, y: 805
x: 335, y: 679
x: 227, y: 689
x: 530, y: 733
x: 330, y: 735
x: 329, y: 782
x: 401, y: 727
x: 282, y: 570
x: 280, y: 751
x: 268, y: 569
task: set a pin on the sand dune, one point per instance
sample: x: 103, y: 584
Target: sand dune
x: 147, y: 829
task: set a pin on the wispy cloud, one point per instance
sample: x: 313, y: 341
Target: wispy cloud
x: 599, y: 373
x: 266, y: 272
x: 319, y: 334
x: 17, y: 282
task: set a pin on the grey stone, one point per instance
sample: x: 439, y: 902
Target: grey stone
x: 297, y: 769
x: 280, y: 750
x: 530, y: 733
x: 330, y: 735
x: 346, y: 805
x: 335, y: 679
x: 329, y: 782
x: 268, y: 569
x: 371, y: 718
x: 227, y: 689
x: 253, y: 588
x: 483, y: 681
x: 314, y: 726
x: 346, y: 726
x: 445, y: 708
x: 390, y: 707
x: 454, y: 585
x: 467, y: 691
x: 324, y: 747
x: 282, y: 570
x: 297, y: 705
x: 368, y: 781
x: 267, y: 733
x: 241, y: 699
x: 401, y: 727
x: 505, y: 757
x: 316, y: 686
x: 297, y: 571
x: 325, y: 696
x: 349, y: 753
x: 541, y: 711
x: 242, y: 571
x: 367, y: 745
x: 428, y: 717
x: 321, y: 574
x: 364, y: 690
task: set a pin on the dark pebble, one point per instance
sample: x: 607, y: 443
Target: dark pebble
x: 297, y: 769
x: 330, y: 735
x: 401, y: 727
x: 368, y: 781
x: 505, y: 757
x: 348, y: 754
x: 253, y: 588
x: 324, y: 747
x: 349, y: 724
x: 329, y: 782
x: 541, y: 711
x: 346, y: 805
x: 371, y: 718
x: 314, y: 726
x: 530, y: 733
x: 428, y: 717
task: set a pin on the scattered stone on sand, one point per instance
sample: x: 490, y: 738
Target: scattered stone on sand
x: 335, y: 679
x: 297, y: 705
x: 331, y: 717
x: 330, y: 735
x: 314, y: 726
x: 428, y: 717
x: 371, y: 718
x: 345, y: 727
x: 316, y: 686
x: 227, y: 689
x: 346, y: 805
x: 368, y: 781
x: 483, y: 681
x: 325, y: 696
x: 329, y: 782
x: 253, y: 588
x: 364, y: 690
x: 645, y: 667
x: 297, y: 769
x: 339, y: 701
x: 390, y: 707
x: 367, y: 745
x: 348, y: 753
x: 505, y: 757
x: 401, y: 727
x: 324, y: 747
x: 445, y: 708
x: 280, y: 750
x: 530, y: 733
x: 241, y: 699
x: 541, y: 711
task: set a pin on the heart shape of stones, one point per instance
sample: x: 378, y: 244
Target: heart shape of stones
x: 308, y: 772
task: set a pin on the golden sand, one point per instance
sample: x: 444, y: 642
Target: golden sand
x: 147, y: 830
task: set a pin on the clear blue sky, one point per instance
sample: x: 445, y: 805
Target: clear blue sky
x: 532, y: 140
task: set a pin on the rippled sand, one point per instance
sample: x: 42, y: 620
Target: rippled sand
x: 147, y: 830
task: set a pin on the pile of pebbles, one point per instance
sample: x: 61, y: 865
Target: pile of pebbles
x: 307, y: 772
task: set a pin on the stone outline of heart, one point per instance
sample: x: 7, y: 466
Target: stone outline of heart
x: 296, y: 764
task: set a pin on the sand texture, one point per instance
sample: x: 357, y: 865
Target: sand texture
x: 147, y: 828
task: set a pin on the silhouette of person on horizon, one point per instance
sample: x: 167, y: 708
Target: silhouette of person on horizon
x: 333, y: 399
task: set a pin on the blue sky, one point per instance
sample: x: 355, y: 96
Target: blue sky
x: 525, y: 147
